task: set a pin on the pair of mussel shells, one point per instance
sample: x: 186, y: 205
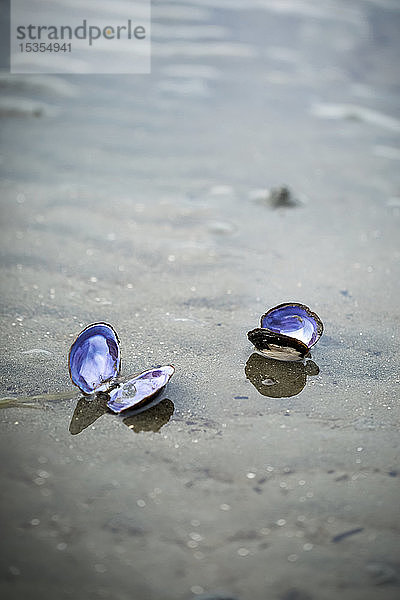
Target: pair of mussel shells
x: 95, y: 363
x: 287, y: 332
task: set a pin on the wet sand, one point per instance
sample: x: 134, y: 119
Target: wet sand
x: 142, y: 201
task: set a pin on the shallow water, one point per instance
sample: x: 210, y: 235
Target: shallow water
x: 142, y: 201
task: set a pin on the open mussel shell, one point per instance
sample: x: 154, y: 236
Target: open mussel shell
x: 139, y: 389
x: 287, y: 332
x: 94, y: 358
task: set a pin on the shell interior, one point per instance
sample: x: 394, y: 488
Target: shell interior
x: 139, y: 389
x: 94, y: 358
x: 294, y: 320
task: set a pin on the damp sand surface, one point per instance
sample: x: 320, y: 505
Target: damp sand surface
x: 143, y: 201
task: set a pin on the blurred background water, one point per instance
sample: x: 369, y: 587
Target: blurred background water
x: 142, y: 200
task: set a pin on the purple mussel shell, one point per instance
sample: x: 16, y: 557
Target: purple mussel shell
x: 287, y: 331
x: 94, y: 359
x: 139, y: 389
x: 294, y: 320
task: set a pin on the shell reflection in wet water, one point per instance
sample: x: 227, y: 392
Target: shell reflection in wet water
x: 151, y: 419
x: 134, y: 392
x: 287, y: 332
x: 149, y: 416
x: 278, y: 379
x: 94, y: 358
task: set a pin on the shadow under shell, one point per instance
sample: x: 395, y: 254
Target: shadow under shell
x: 150, y: 417
x: 278, y: 379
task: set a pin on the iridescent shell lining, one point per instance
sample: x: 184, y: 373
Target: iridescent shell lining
x: 141, y: 388
x: 94, y: 358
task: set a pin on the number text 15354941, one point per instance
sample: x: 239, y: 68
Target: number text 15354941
x: 45, y: 47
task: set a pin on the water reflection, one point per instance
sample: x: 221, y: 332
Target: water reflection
x: 278, y: 379
x: 149, y: 417
x: 87, y: 412
x: 153, y: 418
